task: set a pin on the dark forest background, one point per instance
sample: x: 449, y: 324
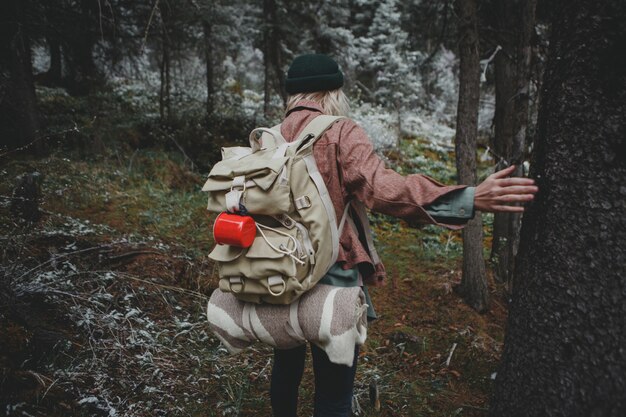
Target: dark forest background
x: 112, y: 112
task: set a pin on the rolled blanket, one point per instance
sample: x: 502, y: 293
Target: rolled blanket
x: 333, y: 318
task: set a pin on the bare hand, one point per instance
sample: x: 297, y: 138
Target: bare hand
x: 497, y: 192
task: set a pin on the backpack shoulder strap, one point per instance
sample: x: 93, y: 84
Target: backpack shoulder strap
x: 361, y: 214
x: 301, y: 147
x: 314, y: 131
x: 310, y: 134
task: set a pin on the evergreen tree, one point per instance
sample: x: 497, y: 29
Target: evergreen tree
x: 397, y: 83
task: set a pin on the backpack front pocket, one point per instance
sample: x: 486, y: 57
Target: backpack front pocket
x: 268, y: 256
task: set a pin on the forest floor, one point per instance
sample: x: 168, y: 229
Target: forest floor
x: 102, y: 302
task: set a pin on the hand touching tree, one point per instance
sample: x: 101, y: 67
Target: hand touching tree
x: 498, y: 192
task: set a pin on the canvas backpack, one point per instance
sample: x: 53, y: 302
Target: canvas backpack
x: 297, y: 236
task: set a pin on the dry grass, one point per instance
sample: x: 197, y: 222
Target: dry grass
x: 104, y: 309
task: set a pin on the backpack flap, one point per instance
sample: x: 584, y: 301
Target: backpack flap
x: 258, y: 181
x: 225, y: 253
x: 235, y: 152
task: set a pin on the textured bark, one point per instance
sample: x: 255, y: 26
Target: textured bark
x: 512, y: 67
x: 473, y: 285
x: 19, y: 118
x: 564, y: 349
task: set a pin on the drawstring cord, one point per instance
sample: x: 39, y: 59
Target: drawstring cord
x: 282, y: 249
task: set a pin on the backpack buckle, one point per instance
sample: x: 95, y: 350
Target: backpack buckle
x: 274, y: 281
x: 236, y: 284
x: 233, y: 197
x: 302, y: 202
x: 286, y: 221
x: 239, y: 182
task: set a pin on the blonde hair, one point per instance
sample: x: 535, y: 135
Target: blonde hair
x: 333, y: 102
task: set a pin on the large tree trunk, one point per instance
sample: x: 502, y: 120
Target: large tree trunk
x: 515, y: 20
x: 564, y: 351
x: 473, y: 286
x: 19, y: 121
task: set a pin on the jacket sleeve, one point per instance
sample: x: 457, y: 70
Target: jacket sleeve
x: 383, y: 190
x: 455, y: 207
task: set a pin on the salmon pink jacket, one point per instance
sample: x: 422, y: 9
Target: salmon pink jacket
x: 353, y: 171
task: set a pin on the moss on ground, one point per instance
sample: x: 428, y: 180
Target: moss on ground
x: 429, y: 354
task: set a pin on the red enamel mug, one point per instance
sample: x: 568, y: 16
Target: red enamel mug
x: 234, y: 230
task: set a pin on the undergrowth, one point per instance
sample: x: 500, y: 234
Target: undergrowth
x: 103, y: 299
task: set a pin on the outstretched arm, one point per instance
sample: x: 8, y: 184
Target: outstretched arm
x: 498, y: 192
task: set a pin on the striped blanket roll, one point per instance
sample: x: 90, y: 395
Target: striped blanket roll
x: 333, y: 318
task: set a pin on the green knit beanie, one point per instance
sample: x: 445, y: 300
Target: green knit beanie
x: 313, y: 72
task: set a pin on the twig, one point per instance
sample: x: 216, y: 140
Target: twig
x: 367, y: 90
x: 501, y: 160
x: 64, y: 255
x: 134, y: 253
x: 38, y: 138
x: 132, y: 158
x: 167, y: 287
x: 180, y: 148
x: 448, y: 242
x: 263, y: 370
x: 100, y: 20
x: 472, y: 407
x: 484, y: 63
x: 145, y: 35
x: 185, y: 331
x: 450, y: 355
x: 48, y: 389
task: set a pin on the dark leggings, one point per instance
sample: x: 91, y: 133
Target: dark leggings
x: 333, y: 383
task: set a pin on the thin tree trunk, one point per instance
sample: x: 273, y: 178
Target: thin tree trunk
x: 473, y: 285
x: 208, y: 55
x: 278, y: 70
x: 272, y: 56
x: 162, y: 85
x: 516, y: 24
x: 164, y: 90
x: 269, y: 7
x: 505, y: 81
x: 564, y: 349
x: 82, y: 70
x: 55, y: 72
x: 168, y: 87
x: 18, y: 106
